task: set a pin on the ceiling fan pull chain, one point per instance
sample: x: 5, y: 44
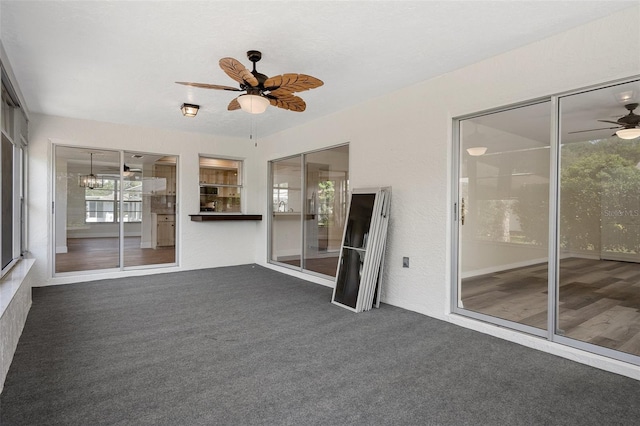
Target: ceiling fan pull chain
x: 253, y: 130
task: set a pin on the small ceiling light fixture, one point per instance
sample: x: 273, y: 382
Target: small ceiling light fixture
x: 477, y: 151
x: 625, y: 97
x: 253, y: 104
x: 90, y: 181
x: 189, y: 110
x: 628, y: 133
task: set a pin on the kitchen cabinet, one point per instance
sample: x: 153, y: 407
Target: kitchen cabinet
x: 165, y: 230
x: 168, y: 173
x: 220, y: 190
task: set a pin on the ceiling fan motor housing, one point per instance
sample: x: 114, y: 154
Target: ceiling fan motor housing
x: 630, y: 120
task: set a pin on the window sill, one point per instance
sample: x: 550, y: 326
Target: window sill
x: 224, y: 216
x: 11, y: 282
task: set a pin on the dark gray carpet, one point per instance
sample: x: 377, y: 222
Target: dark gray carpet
x: 249, y: 346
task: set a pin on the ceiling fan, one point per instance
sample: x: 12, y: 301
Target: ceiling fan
x: 129, y: 171
x: 262, y: 91
x: 628, y: 126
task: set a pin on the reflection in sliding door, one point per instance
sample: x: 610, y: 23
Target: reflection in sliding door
x: 286, y: 230
x: 149, y: 209
x: 504, y: 215
x: 99, y: 199
x: 599, y: 278
x: 86, y: 209
x: 327, y: 175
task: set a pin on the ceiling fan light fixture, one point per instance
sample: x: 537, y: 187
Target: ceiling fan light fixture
x: 253, y: 104
x: 628, y: 133
x: 189, y: 110
x: 477, y: 151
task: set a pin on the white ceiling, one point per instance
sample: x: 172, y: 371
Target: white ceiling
x: 117, y: 61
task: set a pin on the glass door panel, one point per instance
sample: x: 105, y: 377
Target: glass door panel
x: 86, y: 209
x: 504, y: 215
x: 286, y: 229
x: 327, y: 177
x: 599, y: 212
x: 149, y: 209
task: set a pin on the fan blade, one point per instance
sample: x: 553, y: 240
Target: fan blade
x: 292, y: 83
x: 234, y: 105
x: 289, y: 101
x: 612, y: 122
x: 238, y: 72
x: 593, y: 130
x: 210, y: 86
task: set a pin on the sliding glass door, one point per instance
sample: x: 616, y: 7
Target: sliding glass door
x: 547, y: 214
x: 308, y: 204
x: 504, y: 216
x: 326, y: 185
x: 599, y: 220
x: 113, y: 209
x: 87, y: 235
x: 286, y: 211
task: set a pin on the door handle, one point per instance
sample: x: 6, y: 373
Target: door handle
x: 462, y: 212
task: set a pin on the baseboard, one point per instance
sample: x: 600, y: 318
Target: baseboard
x: 61, y: 249
x: 499, y: 268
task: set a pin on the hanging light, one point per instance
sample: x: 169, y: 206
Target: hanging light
x: 253, y: 104
x: 628, y: 133
x: 477, y: 151
x: 189, y: 110
x: 90, y: 181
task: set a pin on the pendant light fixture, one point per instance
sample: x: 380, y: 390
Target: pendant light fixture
x: 90, y: 181
x: 477, y: 151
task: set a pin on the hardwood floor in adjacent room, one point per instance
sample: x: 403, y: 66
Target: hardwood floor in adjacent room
x: 599, y: 300
x: 86, y: 254
x: 323, y: 265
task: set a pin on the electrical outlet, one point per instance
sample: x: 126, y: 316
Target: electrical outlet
x: 405, y: 262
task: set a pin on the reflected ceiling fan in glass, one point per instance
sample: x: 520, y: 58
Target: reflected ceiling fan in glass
x: 628, y: 126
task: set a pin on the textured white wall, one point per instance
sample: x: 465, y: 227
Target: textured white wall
x: 201, y: 244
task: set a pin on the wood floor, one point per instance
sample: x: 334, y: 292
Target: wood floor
x: 86, y: 254
x: 321, y: 265
x: 599, y: 300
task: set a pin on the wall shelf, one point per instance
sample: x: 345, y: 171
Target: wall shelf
x: 219, y: 217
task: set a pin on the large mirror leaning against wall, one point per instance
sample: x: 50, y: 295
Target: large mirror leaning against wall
x: 113, y: 209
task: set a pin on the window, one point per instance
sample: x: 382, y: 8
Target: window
x: 12, y: 159
x: 101, y: 203
x: 220, y: 185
